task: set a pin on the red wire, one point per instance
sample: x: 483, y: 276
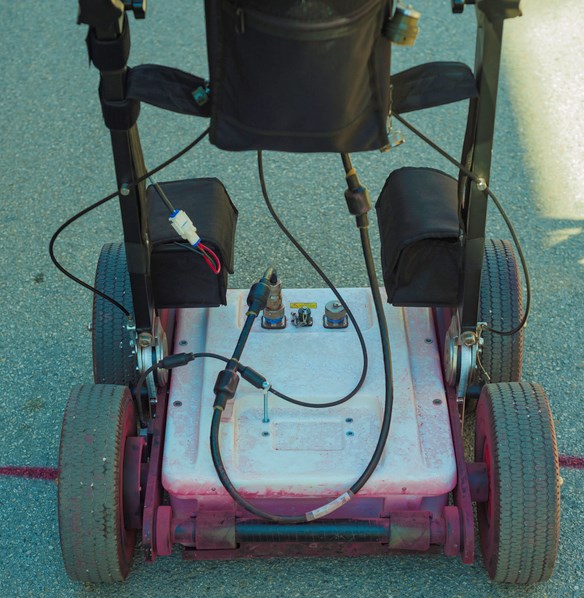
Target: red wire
x: 211, y: 258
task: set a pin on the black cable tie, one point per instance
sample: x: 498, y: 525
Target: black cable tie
x: 358, y: 201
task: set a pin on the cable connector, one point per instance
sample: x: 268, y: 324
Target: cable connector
x: 225, y: 388
x: 184, y: 226
x: 259, y: 293
x: 176, y: 361
x: 251, y: 376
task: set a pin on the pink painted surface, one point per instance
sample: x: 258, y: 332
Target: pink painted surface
x: 308, y: 453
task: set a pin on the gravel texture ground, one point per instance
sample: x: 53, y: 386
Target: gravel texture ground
x: 55, y: 159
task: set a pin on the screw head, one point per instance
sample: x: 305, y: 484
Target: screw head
x: 145, y: 339
x: 481, y: 184
x: 182, y: 343
x: 437, y: 401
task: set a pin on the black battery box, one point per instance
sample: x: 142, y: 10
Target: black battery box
x: 180, y: 276
x: 421, y: 238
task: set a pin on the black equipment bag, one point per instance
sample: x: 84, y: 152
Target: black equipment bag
x: 421, y: 238
x: 298, y: 75
x: 180, y: 277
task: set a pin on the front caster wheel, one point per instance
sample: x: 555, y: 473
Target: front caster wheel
x: 519, y: 524
x: 97, y: 542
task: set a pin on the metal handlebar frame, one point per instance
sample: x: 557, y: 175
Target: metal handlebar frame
x: 108, y: 21
x: 478, y: 148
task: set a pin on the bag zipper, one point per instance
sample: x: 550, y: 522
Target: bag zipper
x: 240, y: 15
x: 295, y: 28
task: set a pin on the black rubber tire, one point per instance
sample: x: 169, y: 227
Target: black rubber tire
x: 500, y: 305
x: 114, y: 361
x: 95, y: 545
x: 519, y: 525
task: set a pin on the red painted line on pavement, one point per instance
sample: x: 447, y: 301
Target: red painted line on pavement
x: 571, y: 462
x: 35, y: 473
x: 51, y: 473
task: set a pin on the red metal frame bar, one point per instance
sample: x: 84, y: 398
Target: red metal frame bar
x: 462, y: 491
x: 153, y: 495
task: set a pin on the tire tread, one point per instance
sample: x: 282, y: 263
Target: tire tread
x: 89, y: 495
x: 517, y: 418
x: 113, y: 360
x: 500, y: 305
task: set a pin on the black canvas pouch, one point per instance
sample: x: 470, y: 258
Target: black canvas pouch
x: 180, y: 277
x: 421, y: 248
x: 298, y: 75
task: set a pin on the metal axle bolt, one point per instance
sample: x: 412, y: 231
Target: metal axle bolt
x: 145, y: 339
x: 469, y: 339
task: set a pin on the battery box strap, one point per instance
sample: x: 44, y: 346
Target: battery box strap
x: 170, y: 89
x: 109, y: 54
x: 432, y: 84
x: 119, y: 115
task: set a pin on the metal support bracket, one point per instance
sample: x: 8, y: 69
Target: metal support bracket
x: 150, y: 349
x: 462, y: 356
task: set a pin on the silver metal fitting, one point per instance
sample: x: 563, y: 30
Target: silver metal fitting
x: 481, y: 184
x: 395, y: 138
x: 402, y: 29
x: 335, y: 315
x: 151, y: 349
x: 462, y: 356
x: 266, y: 388
x: 274, y: 316
x: 125, y: 190
x: 145, y: 339
x: 131, y: 328
x: 302, y: 318
x: 468, y: 339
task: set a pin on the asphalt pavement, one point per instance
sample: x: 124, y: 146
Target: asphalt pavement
x: 55, y: 159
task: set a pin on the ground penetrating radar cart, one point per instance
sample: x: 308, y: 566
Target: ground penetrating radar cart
x: 195, y: 432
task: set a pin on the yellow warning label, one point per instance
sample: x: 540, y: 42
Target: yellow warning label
x: 299, y: 305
